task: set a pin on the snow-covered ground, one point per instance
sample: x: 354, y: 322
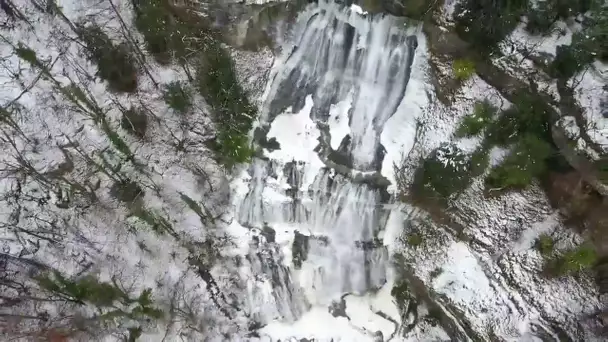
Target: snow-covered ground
x: 588, y: 84
x: 54, y: 220
x: 590, y: 92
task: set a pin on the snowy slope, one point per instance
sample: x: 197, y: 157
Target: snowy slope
x: 91, y: 232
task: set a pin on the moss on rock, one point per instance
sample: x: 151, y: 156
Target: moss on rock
x: 578, y: 259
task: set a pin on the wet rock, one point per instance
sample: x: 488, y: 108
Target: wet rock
x: 266, y: 261
x: 253, y: 328
x: 601, y: 277
x: 320, y: 240
x: 301, y: 246
x: 269, y: 234
x: 272, y: 144
x: 603, y: 316
x: 217, y: 296
x: 342, y: 155
x: 341, y: 162
x: 369, y: 245
x: 402, y: 295
x: 379, y: 158
x: 299, y: 249
x: 415, y: 9
x: 292, y: 171
x: 256, y: 26
x: 259, y: 136
x: 338, y: 309
x: 604, y: 107
x: 409, y: 291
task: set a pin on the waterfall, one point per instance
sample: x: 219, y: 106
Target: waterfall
x: 319, y: 227
x: 338, y: 52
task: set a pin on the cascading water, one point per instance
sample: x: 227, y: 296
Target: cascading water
x: 340, y: 54
x: 320, y: 227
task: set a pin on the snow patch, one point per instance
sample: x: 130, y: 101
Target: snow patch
x: 592, y: 97
x: 338, y: 121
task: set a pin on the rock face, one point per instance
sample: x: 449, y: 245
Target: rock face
x: 414, y: 9
x: 299, y: 249
x: 602, y: 276
x: 257, y: 24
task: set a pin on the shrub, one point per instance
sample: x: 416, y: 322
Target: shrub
x: 115, y: 139
x: 479, y: 161
x: 178, y: 96
x: 233, y: 113
x: 570, y: 59
x: 169, y: 36
x: 154, y: 23
x: 524, y: 162
x: 126, y: 191
x: 590, y: 43
x: 471, y: 125
x: 89, y: 289
x: 602, y: 169
x: 463, y: 69
x: 573, y: 261
x: 443, y: 173
x: 233, y: 147
x: 594, y: 36
x: 544, y: 244
x: 568, y: 8
x: 542, y: 17
x: 525, y: 127
x: 134, y: 121
x: 86, y: 289
x: 484, y: 23
x: 529, y: 115
x: 414, y: 239
x: 158, y: 223
x: 215, y: 77
x: 28, y: 55
x: 217, y: 82
x: 114, y: 62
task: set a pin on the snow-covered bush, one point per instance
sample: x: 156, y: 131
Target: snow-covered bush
x: 484, y: 23
x: 482, y: 116
x: 443, y: 173
x: 525, y: 162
